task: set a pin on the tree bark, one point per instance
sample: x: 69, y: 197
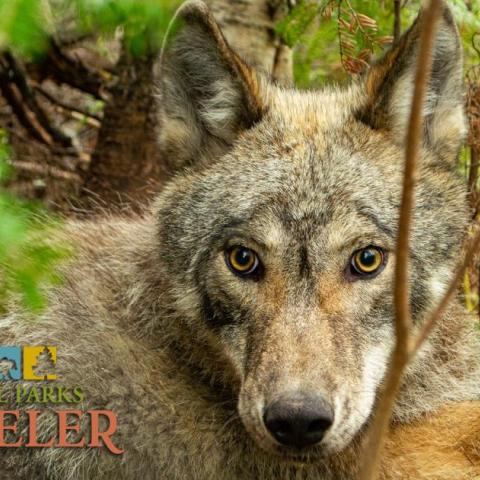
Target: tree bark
x: 249, y: 26
x: 125, y: 166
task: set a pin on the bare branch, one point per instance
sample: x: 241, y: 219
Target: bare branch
x: 76, y: 112
x: 400, y: 355
x: 473, y: 179
x: 61, y: 67
x: 22, y: 99
x: 25, y: 116
x: 19, y: 78
x: 47, y: 170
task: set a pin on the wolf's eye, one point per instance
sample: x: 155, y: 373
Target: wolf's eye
x: 242, y: 260
x: 367, y: 261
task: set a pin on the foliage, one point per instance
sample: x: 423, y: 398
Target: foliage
x: 336, y: 38
x: 143, y: 23
x: 22, y: 25
x: 25, y: 25
x: 28, y: 255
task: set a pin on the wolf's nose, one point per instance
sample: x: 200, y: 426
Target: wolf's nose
x: 298, y: 420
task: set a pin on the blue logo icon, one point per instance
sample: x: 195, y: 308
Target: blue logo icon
x: 10, y: 363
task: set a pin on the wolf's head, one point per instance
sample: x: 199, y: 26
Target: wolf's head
x: 278, y: 229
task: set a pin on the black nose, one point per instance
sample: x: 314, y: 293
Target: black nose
x: 299, y: 420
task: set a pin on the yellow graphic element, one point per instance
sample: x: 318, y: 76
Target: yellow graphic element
x: 39, y: 363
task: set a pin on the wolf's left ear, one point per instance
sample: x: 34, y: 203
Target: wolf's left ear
x: 389, y: 88
x: 208, y: 94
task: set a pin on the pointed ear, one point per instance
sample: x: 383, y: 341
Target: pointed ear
x: 208, y: 95
x: 389, y: 88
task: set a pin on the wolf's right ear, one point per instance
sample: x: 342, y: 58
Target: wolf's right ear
x: 208, y: 94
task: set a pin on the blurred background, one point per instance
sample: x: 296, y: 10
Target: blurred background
x: 78, y: 121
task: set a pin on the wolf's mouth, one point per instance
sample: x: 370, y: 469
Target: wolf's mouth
x: 300, y: 461
x: 292, y: 456
x: 299, y: 458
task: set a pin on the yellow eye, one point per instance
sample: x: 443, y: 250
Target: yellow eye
x: 242, y: 260
x: 367, y: 261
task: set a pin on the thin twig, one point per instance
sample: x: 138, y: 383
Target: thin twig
x: 400, y: 355
x: 25, y: 116
x: 24, y: 103
x: 47, y: 170
x: 77, y: 112
x: 473, y: 178
x: 339, y: 33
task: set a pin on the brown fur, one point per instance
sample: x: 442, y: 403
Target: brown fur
x: 444, y: 446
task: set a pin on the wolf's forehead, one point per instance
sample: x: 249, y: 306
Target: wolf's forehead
x: 319, y: 179
x: 319, y: 201
x: 329, y: 218
x: 313, y: 110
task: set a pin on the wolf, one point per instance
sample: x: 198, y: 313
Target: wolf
x: 242, y: 327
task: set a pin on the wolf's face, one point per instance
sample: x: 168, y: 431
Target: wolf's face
x: 279, y: 239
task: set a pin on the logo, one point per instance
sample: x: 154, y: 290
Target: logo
x: 28, y: 381
x: 10, y: 361
x: 34, y: 363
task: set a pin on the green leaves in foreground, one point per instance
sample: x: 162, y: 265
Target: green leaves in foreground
x: 28, y: 253
x: 333, y: 38
x: 22, y: 25
x: 143, y: 22
x: 26, y: 25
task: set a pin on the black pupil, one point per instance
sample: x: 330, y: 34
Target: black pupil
x: 243, y: 257
x: 368, y: 257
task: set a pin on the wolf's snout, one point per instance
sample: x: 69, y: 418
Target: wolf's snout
x: 298, y: 420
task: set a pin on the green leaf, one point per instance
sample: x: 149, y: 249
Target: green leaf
x: 29, y: 254
x: 22, y: 26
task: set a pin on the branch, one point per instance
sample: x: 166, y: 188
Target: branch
x: 76, y: 112
x: 400, y: 355
x: 473, y: 179
x: 25, y: 117
x: 22, y: 99
x: 73, y: 72
x: 47, y: 170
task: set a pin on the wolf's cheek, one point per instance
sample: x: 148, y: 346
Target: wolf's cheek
x: 233, y: 339
x: 354, y: 402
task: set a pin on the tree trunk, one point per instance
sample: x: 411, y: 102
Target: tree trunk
x: 249, y: 26
x: 125, y: 168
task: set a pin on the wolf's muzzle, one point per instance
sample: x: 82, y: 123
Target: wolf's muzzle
x: 299, y: 419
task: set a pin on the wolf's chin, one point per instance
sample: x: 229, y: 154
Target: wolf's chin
x: 294, y: 458
x: 286, y: 455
